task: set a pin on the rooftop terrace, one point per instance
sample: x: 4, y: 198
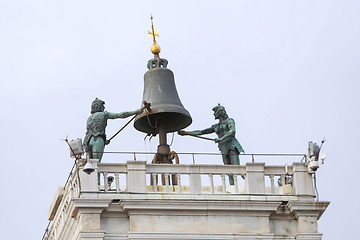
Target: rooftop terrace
x: 260, y: 185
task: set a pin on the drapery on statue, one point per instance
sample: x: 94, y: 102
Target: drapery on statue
x: 95, y: 139
x: 228, y: 145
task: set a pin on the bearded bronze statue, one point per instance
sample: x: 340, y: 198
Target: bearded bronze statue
x: 95, y: 138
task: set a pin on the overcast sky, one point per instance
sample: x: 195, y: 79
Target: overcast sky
x: 286, y: 71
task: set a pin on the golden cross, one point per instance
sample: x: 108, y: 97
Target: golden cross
x: 153, y: 33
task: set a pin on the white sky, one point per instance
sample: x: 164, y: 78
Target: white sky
x: 286, y: 71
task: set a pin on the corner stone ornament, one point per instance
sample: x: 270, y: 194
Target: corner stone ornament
x: 95, y: 138
x: 229, y: 146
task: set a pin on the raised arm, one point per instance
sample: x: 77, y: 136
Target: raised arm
x: 198, y: 132
x: 110, y: 115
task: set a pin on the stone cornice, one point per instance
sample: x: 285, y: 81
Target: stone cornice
x: 207, y: 197
x: 88, y: 205
x: 195, y: 236
x: 282, y: 213
x: 191, y: 207
x: 307, y: 208
x: 309, y: 236
x: 96, y: 234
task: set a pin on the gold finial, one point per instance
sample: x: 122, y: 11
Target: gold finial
x: 155, y: 48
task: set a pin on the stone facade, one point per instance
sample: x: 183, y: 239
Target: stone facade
x: 131, y: 208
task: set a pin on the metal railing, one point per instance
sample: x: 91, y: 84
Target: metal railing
x: 198, y: 157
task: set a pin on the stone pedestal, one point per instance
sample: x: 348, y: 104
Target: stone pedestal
x: 302, y: 181
x: 136, y: 176
x: 89, y: 182
x: 255, y: 182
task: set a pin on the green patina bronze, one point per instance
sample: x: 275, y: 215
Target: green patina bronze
x: 95, y: 138
x: 229, y: 146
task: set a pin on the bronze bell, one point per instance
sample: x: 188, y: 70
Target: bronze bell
x: 167, y: 113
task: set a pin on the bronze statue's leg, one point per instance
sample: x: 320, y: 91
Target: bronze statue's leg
x: 98, y: 145
x: 227, y: 159
x: 235, y: 160
x: 88, y: 150
x: 234, y: 157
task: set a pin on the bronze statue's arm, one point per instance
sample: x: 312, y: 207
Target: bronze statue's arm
x: 198, y: 132
x: 123, y: 114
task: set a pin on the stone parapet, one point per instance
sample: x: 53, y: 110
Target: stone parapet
x: 136, y: 200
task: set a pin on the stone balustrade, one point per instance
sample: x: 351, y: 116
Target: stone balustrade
x: 251, y: 178
x: 274, y: 193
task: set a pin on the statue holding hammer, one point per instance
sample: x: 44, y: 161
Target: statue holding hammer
x: 228, y: 145
x: 95, y: 138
